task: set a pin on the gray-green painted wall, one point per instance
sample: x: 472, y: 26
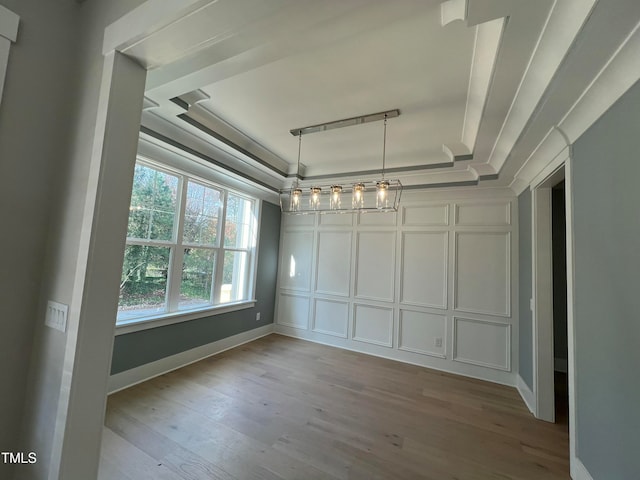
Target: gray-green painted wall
x: 525, y: 350
x: 606, y: 168
x: 135, y: 349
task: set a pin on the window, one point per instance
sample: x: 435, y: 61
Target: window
x: 190, y: 245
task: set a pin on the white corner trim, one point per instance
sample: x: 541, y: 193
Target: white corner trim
x: 9, y: 22
x: 456, y: 150
x: 131, y: 377
x: 527, y: 394
x: 579, y: 471
x: 453, y: 10
x: 553, y: 166
x: 547, y: 153
x: 195, y: 97
x: 148, y: 104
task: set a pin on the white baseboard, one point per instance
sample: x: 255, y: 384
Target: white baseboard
x: 427, y: 361
x: 560, y: 364
x: 579, y: 471
x: 527, y: 395
x: 128, y: 378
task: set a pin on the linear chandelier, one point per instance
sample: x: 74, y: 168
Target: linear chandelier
x: 381, y: 195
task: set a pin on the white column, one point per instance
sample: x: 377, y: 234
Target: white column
x: 91, y: 324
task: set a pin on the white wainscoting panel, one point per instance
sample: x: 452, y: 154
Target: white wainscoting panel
x: 482, y: 273
x: 293, y: 310
x: 426, y: 215
x: 336, y: 219
x: 333, y: 271
x: 423, y: 278
x: 428, y: 285
x: 377, y: 219
x: 483, y: 343
x: 483, y: 214
x: 420, y: 331
x: 373, y: 324
x: 331, y: 317
x: 296, y: 260
x: 298, y: 220
x: 376, y: 265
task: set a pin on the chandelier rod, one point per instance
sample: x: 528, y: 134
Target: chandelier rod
x: 384, y: 145
x: 298, y: 168
x: 345, y: 122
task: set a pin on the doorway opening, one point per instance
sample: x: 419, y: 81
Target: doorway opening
x: 559, y: 281
x: 554, y: 323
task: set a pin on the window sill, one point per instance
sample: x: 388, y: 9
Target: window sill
x: 164, y: 319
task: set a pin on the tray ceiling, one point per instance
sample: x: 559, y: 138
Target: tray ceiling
x: 232, y: 77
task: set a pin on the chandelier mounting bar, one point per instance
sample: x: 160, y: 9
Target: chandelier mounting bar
x: 346, y: 122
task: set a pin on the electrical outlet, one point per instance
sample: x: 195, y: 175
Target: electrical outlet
x: 56, y: 316
x: 257, y: 316
x: 438, y: 342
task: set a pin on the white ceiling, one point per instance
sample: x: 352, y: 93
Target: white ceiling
x: 470, y: 78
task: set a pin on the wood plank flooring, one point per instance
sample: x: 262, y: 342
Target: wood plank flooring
x: 283, y: 409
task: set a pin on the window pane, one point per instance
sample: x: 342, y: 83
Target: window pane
x: 239, y: 220
x: 197, y: 277
x: 234, y: 277
x: 201, y: 215
x: 143, y: 285
x: 153, y: 204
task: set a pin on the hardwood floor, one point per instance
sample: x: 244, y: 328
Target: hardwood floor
x: 280, y: 408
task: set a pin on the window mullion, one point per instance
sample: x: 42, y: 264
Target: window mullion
x: 219, y: 267
x: 177, y: 257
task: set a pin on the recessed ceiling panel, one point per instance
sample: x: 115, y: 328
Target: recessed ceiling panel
x: 400, y: 65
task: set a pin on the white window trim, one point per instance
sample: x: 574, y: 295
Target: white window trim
x: 9, y: 22
x: 131, y: 325
x: 164, y: 319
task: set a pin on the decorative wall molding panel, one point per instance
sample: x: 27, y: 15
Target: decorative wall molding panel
x: 483, y: 214
x: 293, y: 310
x: 331, y: 317
x: 423, y: 273
x: 295, y: 260
x: 482, y: 342
x: 426, y: 216
x: 482, y: 273
x: 329, y: 220
x: 375, y: 265
x: 422, y: 332
x: 333, y: 271
x: 373, y: 324
x: 388, y: 289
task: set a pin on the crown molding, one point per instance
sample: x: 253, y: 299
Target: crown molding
x: 457, y: 152
x: 485, y: 55
x: 619, y: 74
x: 563, y: 24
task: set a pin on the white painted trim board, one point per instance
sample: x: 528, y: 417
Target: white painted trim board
x: 9, y: 23
x: 527, y: 394
x: 128, y: 378
x: 579, y: 471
